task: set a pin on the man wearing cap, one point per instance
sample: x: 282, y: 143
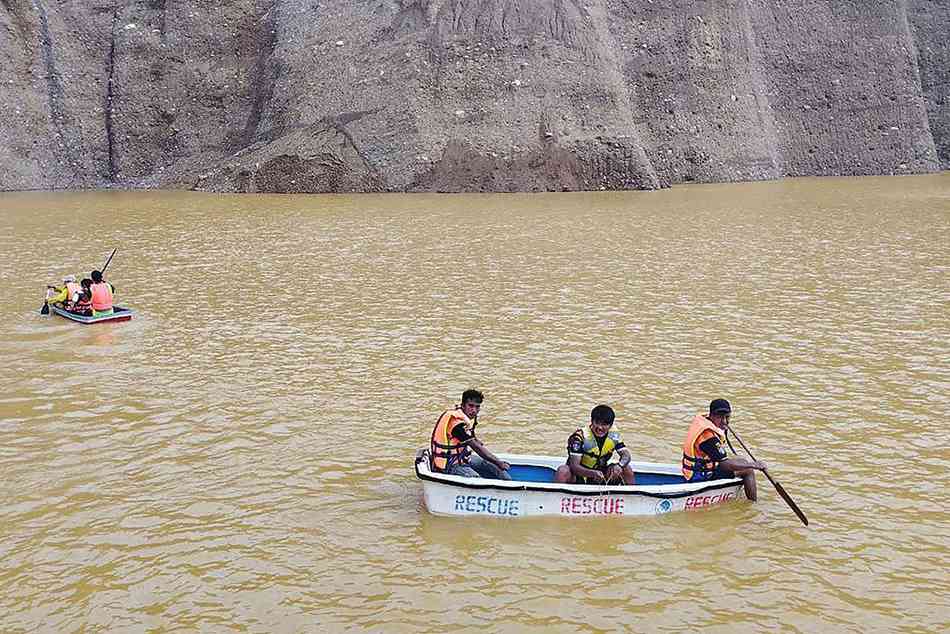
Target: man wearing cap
x: 66, y: 294
x: 705, y: 458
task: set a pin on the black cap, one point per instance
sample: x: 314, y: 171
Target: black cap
x: 719, y: 406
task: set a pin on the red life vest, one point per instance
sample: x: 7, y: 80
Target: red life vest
x: 445, y: 450
x: 101, y: 296
x: 83, y: 304
x: 694, y: 458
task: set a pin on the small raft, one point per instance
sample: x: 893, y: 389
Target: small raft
x: 118, y: 314
x: 532, y: 491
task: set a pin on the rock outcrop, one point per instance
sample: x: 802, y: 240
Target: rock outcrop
x: 468, y: 95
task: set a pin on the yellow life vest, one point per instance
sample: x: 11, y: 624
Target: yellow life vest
x: 596, y: 455
x: 445, y: 450
x: 694, y: 458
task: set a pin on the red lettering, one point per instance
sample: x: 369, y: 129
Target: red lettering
x: 701, y: 501
x: 593, y: 506
x: 596, y: 506
x: 697, y: 502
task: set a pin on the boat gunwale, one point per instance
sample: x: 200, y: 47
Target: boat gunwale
x: 124, y: 315
x: 664, y: 491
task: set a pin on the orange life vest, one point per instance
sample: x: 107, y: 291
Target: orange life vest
x: 445, y: 450
x: 694, y: 458
x: 101, y: 296
x: 72, y: 288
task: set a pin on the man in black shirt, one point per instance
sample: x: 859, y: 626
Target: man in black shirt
x: 453, y: 441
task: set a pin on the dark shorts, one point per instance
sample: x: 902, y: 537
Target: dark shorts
x: 717, y: 474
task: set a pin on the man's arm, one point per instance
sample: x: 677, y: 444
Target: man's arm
x: 625, y: 458
x: 714, y: 449
x: 59, y: 296
x: 482, y: 451
x: 737, y: 464
x: 580, y: 471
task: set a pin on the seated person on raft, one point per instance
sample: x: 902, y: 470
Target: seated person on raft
x: 589, y: 453
x: 453, y: 441
x: 83, y: 305
x: 705, y: 458
x: 65, y: 295
x: 102, y: 292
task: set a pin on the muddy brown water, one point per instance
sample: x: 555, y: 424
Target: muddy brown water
x: 238, y: 457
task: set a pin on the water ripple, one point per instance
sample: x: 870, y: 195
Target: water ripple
x: 238, y: 456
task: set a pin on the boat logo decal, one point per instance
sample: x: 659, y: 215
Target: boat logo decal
x: 663, y: 506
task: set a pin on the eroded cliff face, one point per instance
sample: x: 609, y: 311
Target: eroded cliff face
x: 468, y: 95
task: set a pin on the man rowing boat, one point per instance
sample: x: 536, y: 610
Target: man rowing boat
x: 705, y: 458
x: 101, y: 295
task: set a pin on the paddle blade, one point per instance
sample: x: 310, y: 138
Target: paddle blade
x: 45, y: 309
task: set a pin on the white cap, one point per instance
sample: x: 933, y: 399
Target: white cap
x: 69, y: 278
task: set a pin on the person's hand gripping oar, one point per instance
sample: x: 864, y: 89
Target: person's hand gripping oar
x: 778, y: 487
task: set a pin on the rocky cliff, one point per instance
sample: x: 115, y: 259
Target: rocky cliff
x: 467, y: 95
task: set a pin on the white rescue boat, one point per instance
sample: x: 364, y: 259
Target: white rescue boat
x: 660, y: 488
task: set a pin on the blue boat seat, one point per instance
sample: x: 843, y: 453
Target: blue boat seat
x: 532, y: 473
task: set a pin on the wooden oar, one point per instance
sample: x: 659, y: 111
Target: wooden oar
x: 778, y: 487
x: 106, y: 265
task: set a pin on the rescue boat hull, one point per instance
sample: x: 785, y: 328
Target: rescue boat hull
x: 660, y: 489
x: 118, y: 314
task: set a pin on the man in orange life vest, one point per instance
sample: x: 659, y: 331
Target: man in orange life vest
x: 453, y: 440
x: 705, y: 458
x: 102, y: 292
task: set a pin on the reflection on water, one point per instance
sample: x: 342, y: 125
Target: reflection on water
x: 239, y: 455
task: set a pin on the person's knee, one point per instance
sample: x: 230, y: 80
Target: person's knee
x: 629, y: 476
x: 563, y: 474
x: 497, y: 472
